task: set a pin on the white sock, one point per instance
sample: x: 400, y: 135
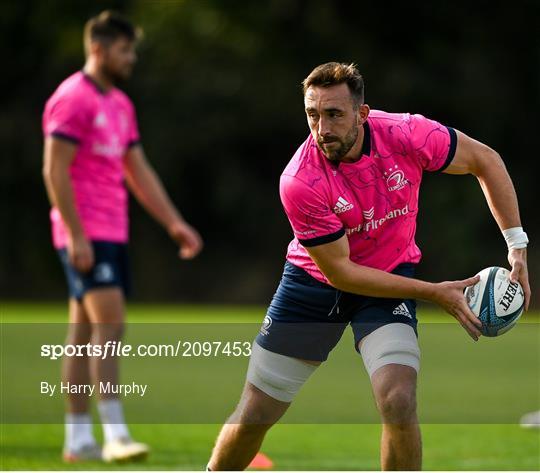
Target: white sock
x: 112, y: 418
x: 78, y: 431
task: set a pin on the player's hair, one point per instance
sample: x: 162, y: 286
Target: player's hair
x: 107, y: 27
x: 335, y: 73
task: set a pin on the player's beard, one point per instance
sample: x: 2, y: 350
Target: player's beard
x: 346, y: 143
x: 115, y: 74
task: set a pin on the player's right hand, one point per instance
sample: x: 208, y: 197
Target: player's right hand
x: 518, y: 260
x: 80, y: 253
x: 187, y: 238
x: 449, y: 295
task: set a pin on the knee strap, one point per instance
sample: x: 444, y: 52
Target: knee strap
x: 393, y: 343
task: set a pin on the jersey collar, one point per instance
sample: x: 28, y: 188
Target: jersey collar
x: 366, y: 145
x: 89, y: 79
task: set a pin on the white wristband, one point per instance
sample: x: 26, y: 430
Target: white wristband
x: 515, y: 238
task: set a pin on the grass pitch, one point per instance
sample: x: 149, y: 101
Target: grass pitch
x: 467, y: 426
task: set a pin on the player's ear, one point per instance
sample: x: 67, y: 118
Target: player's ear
x: 95, y: 48
x: 363, y: 113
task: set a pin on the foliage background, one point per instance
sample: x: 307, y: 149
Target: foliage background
x: 220, y: 110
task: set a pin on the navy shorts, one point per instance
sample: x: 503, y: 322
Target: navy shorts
x: 306, y: 317
x: 111, y: 269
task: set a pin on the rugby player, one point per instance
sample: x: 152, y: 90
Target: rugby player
x: 351, y: 195
x: 92, y: 146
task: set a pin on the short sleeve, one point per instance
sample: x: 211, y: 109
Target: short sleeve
x: 433, y: 144
x: 133, y: 127
x: 312, y: 219
x: 67, y: 118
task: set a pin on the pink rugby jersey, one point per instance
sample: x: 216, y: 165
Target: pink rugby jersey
x: 103, y: 125
x: 374, y: 201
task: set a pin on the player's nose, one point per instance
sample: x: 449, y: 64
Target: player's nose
x: 131, y: 58
x: 323, y: 127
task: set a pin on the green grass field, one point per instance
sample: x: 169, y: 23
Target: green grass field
x: 470, y: 397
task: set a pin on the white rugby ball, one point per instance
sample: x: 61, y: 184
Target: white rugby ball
x: 496, y: 301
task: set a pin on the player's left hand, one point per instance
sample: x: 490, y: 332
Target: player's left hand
x: 518, y: 261
x: 187, y: 238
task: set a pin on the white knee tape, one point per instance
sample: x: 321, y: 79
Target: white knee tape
x: 392, y: 343
x: 279, y: 376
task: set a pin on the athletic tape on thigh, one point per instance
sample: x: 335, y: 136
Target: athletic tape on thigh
x: 392, y: 343
x: 279, y: 376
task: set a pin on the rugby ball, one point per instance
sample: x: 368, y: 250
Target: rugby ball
x: 496, y: 301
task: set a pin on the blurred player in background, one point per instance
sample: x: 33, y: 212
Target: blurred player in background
x: 351, y: 195
x: 91, y: 146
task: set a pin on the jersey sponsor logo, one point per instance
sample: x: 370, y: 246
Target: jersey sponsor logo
x: 342, y: 206
x: 374, y: 223
x: 368, y: 214
x: 402, y: 309
x: 267, y: 322
x: 395, y: 179
x: 100, y: 121
x: 113, y: 149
